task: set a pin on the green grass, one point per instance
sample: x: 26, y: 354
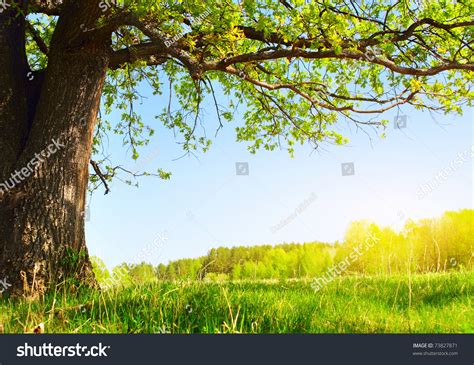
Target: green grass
x: 439, y: 303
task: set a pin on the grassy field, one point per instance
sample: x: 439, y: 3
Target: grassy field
x: 438, y: 303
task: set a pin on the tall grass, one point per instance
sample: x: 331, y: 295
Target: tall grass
x: 438, y: 303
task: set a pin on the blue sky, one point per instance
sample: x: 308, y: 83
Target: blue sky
x: 282, y: 199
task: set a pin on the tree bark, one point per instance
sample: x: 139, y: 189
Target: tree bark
x: 47, y: 121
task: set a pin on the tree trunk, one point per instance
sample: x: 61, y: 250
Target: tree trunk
x: 47, y: 121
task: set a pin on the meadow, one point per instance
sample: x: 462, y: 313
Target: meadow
x: 422, y: 303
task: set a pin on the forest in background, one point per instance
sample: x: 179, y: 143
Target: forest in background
x: 428, y: 245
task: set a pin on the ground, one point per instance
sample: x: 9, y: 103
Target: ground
x: 432, y: 303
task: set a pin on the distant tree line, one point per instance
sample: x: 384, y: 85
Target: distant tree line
x: 428, y: 245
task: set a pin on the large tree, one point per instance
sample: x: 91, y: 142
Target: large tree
x: 296, y: 67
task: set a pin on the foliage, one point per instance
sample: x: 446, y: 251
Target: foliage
x: 292, y: 69
x: 429, y: 245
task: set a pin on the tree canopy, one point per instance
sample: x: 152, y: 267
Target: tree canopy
x: 297, y: 67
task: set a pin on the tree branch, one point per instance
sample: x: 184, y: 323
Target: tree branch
x: 37, y: 38
x: 101, y: 176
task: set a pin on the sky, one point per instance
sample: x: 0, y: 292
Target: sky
x: 271, y: 198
